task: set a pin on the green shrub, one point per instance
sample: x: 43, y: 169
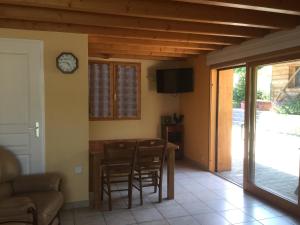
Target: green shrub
x: 289, y: 106
x: 239, y: 90
x: 260, y: 95
x: 236, y: 104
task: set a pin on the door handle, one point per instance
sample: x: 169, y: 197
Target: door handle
x: 36, y: 129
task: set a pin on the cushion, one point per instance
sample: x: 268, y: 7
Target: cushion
x: 16, y: 209
x: 9, y: 166
x: 47, y: 203
x: 5, y: 190
x: 36, y: 183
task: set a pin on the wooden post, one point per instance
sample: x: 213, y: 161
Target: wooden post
x: 224, y: 120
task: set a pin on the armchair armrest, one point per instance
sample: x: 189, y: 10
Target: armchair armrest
x: 17, y: 209
x: 36, y: 183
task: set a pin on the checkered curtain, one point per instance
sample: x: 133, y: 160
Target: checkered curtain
x: 99, y: 90
x: 126, y: 90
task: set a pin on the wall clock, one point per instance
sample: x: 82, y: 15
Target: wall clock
x: 67, y: 62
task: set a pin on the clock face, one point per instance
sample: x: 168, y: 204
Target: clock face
x: 67, y: 62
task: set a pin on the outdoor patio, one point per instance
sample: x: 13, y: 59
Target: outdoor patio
x: 271, y: 179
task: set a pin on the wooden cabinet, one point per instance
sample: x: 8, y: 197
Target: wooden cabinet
x: 174, y: 133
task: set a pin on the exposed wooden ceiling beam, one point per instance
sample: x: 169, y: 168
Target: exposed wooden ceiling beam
x: 95, y: 56
x: 172, y: 10
x: 291, y: 7
x: 104, y: 20
x: 136, y: 48
x: 120, y: 32
x: 137, y: 53
x: 96, y: 39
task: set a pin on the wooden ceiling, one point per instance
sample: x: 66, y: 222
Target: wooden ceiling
x: 154, y: 29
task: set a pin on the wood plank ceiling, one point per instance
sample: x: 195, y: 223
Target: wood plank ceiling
x: 154, y: 29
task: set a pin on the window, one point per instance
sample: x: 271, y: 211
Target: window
x: 294, y: 77
x: 100, y: 91
x: 297, y: 77
x: 114, y: 90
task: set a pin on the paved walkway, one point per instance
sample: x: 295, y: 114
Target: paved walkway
x: 276, y: 181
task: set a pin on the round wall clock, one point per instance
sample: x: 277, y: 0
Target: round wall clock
x: 67, y: 62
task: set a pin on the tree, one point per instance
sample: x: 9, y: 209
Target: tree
x: 239, y: 89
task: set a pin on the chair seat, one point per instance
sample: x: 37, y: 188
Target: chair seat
x: 147, y: 166
x: 116, y: 172
x: 147, y: 170
x: 48, y: 203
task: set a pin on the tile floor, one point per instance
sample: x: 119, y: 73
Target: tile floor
x: 201, y: 198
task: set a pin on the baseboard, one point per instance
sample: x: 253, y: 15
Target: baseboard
x: 76, y: 205
x: 195, y: 163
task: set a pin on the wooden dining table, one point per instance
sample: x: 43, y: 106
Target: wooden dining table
x: 96, y: 149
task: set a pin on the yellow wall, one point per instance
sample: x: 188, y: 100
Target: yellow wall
x: 153, y: 105
x: 66, y: 109
x: 195, y: 107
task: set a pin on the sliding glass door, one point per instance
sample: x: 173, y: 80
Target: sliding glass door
x: 275, y: 128
x: 230, y: 124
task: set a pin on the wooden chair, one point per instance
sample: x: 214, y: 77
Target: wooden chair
x: 118, y: 167
x: 149, y: 166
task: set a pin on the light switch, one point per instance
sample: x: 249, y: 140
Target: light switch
x: 78, y: 169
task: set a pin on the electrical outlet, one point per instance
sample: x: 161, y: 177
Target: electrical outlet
x: 78, y: 169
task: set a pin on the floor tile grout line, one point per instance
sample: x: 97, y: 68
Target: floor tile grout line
x: 219, y: 213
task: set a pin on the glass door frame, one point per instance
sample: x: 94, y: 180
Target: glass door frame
x: 250, y: 119
x: 217, y: 101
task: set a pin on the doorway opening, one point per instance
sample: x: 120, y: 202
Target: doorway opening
x: 231, y: 89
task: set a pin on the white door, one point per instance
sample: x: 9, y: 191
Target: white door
x: 21, y: 102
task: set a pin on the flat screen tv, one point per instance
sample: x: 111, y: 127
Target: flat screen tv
x: 175, y: 80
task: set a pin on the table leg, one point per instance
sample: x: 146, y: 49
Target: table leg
x: 96, y: 182
x: 170, y: 172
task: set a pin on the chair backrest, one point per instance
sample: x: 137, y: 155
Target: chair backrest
x: 151, y: 153
x: 9, y: 170
x: 121, y: 153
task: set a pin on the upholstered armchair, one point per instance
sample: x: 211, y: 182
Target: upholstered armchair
x: 29, y: 199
